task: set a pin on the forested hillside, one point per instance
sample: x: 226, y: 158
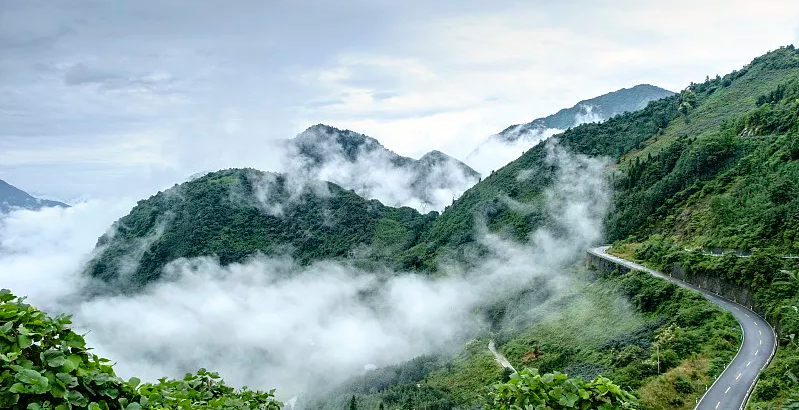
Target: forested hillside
x: 682, y: 141
x: 702, y: 126
x: 233, y: 214
x: 604, y: 106
x: 724, y: 179
x: 711, y: 167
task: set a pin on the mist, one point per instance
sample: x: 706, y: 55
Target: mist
x: 500, y: 149
x: 271, y: 323
x: 360, y: 163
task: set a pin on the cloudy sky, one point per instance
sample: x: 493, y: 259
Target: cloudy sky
x: 103, y: 99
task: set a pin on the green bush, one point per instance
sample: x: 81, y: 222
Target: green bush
x: 529, y: 389
x: 46, y: 365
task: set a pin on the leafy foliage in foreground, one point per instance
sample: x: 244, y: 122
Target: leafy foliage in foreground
x: 46, y: 365
x: 556, y: 391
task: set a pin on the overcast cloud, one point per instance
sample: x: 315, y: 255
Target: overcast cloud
x: 109, y: 98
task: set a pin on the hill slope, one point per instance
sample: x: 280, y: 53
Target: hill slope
x: 502, y: 148
x: 667, y: 126
x: 12, y: 198
x: 233, y: 214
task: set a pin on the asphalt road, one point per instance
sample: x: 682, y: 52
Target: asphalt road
x: 732, y: 388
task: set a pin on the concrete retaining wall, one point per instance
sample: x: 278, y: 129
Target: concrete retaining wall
x: 715, y: 284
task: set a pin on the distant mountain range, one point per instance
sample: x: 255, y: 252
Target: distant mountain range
x: 12, y: 198
x: 359, y: 162
x: 500, y: 149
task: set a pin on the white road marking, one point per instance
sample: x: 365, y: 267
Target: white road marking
x: 717, y: 404
x: 747, y: 365
x: 756, y: 352
x: 761, y: 332
x: 739, y: 376
x: 761, y: 342
x: 728, y: 389
x: 747, y: 315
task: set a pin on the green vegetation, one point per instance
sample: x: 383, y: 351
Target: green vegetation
x: 557, y: 391
x: 715, y: 166
x: 46, y: 365
x: 645, y: 322
x: 221, y: 215
x: 724, y: 177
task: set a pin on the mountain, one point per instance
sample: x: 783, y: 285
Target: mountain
x: 234, y: 214
x: 12, y: 198
x: 358, y: 162
x: 714, y: 166
x: 500, y: 149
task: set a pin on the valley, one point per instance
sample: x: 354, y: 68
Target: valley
x: 358, y: 278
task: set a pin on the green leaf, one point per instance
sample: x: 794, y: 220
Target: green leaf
x: 76, y: 398
x: 34, y: 406
x: 568, y: 399
x: 6, y: 296
x: 53, y: 358
x: 67, y: 379
x: 18, y: 388
x: 110, y: 392
x: 133, y: 406
x: 134, y: 382
x: 8, y: 400
x: 28, y: 376
x: 24, y: 341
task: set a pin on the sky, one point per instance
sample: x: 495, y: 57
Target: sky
x: 121, y: 99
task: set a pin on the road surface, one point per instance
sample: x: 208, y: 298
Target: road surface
x: 731, y: 390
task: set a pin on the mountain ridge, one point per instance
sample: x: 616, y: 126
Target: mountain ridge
x: 501, y: 148
x: 359, y: 162
x: 12, y: 198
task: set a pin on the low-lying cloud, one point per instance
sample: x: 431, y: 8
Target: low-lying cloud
x: 270, y: 323
x: 360, y: 163
x: 500, y: 149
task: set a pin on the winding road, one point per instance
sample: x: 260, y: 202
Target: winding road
x: 732, y: 389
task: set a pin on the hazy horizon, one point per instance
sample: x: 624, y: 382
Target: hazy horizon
x: 106, y: 100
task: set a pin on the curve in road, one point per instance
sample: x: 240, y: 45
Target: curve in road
x: 732, y: 388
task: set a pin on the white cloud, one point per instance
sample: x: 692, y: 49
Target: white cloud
x: 420, y: 76
x: 270, y: 323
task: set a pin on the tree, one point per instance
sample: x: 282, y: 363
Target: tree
x: 353, y: 403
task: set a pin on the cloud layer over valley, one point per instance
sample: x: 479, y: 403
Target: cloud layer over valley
x: 269, y: 322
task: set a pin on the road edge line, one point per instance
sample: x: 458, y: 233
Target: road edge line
x: 743, y: 334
